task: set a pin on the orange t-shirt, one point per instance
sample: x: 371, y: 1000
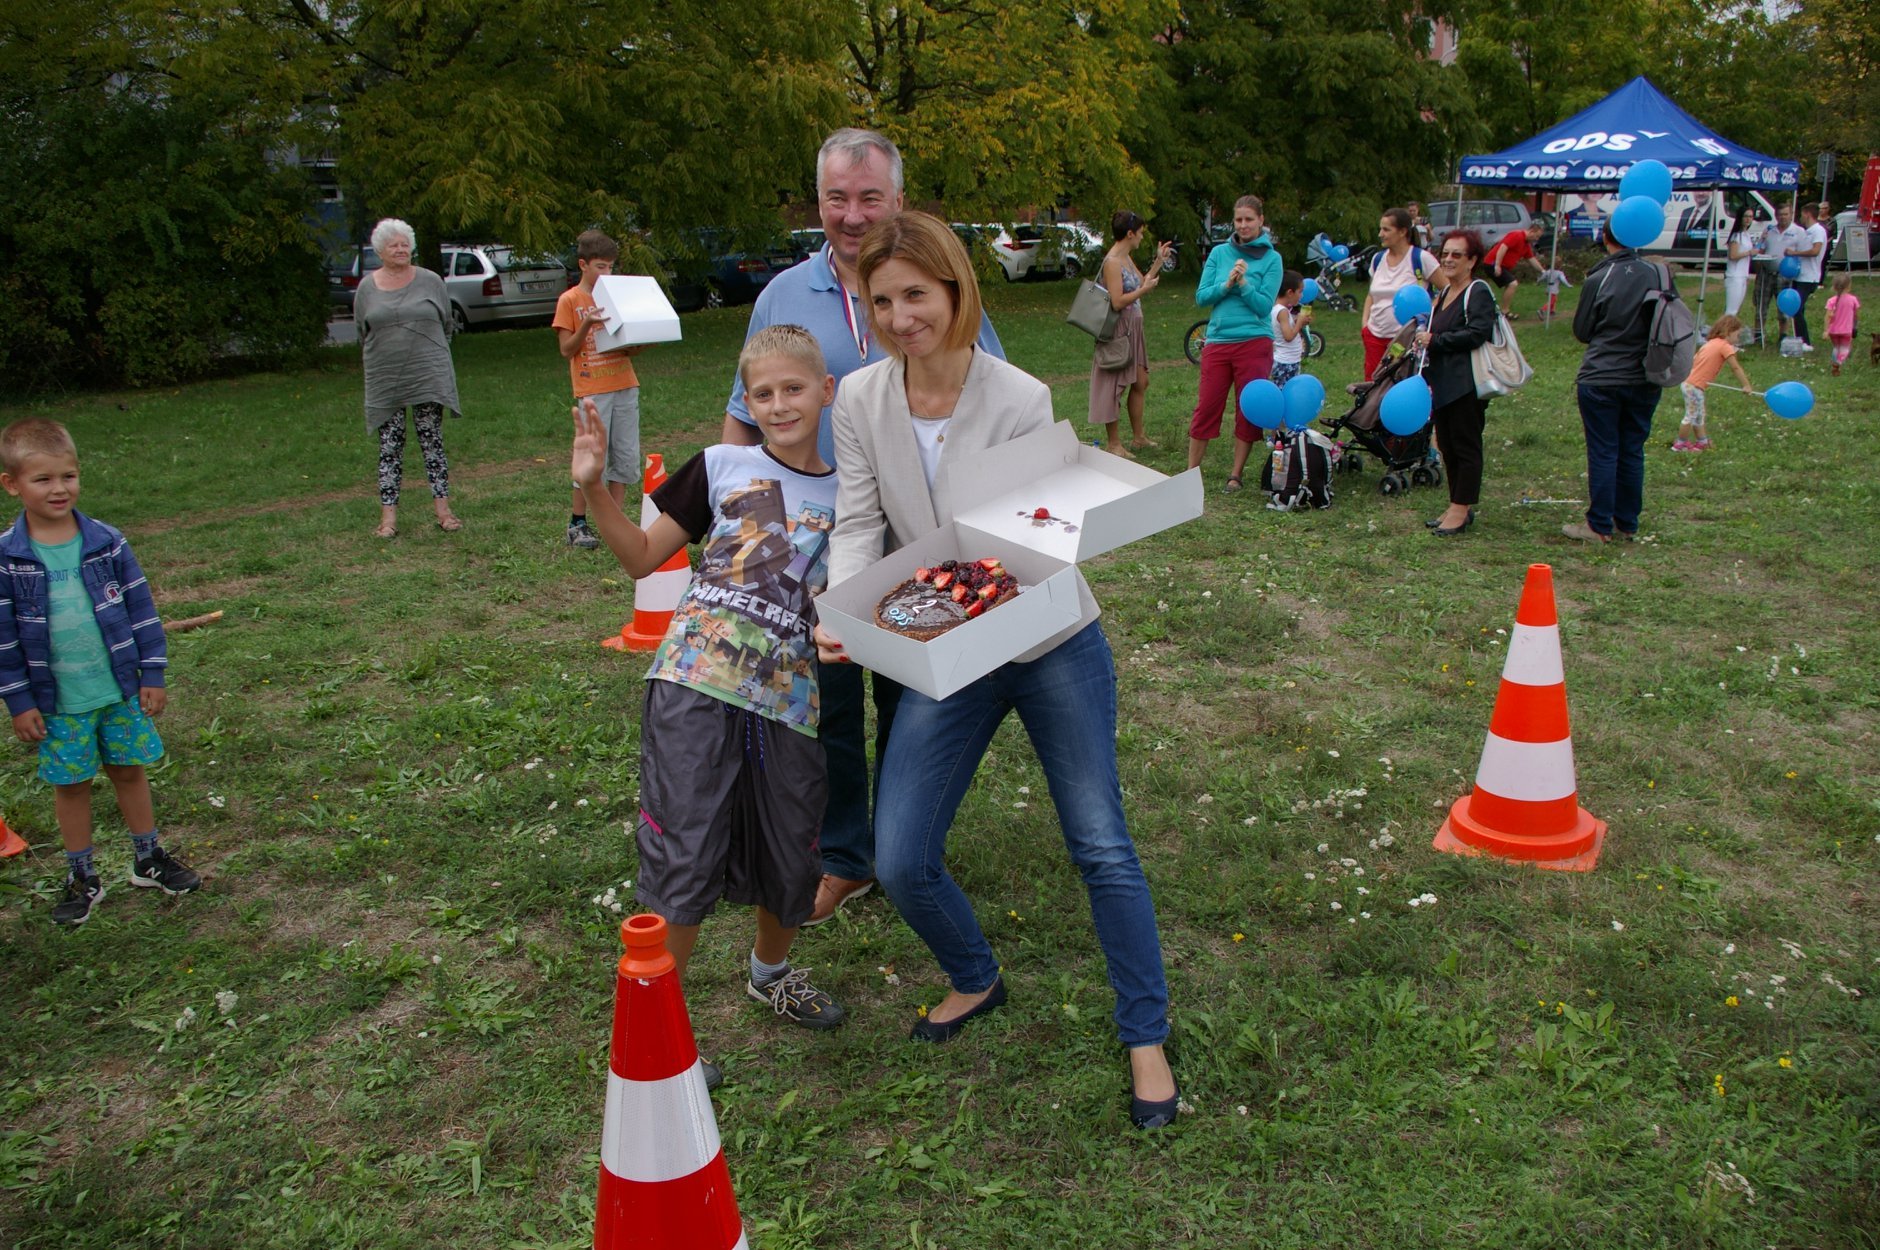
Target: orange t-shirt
x: 1709, y: 362
x: 593, y: 372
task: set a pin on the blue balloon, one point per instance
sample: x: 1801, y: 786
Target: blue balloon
x: 1791, y: 400
x: 1638, y: 221
x: 1648, y: 178
x: 1406, y: 407
x: 1262, y: 404
x: 1790, y: 267
x: 1339, y: 252
x: 1304, y: 395
x: 1310, y: 292
x: 1409, y: 303
x: 1790, y: 302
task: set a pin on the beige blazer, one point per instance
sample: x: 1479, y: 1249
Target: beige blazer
x: 882, y: 500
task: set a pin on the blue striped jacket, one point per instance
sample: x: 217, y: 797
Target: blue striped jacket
x: 127, y: 616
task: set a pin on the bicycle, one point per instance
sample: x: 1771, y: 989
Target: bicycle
x: 1197, y: 338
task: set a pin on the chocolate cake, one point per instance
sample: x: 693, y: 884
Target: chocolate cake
x: 949, y: 594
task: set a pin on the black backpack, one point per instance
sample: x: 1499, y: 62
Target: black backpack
x: 1298, y: 473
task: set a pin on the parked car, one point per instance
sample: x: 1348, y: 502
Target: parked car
x: 1492, y: 219
x: 488, y: 283
x: 808, y: 242
x: 713, y: 264
x: 1064, y: 250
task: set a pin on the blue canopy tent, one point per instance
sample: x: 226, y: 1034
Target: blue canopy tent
x: 1593, y: 149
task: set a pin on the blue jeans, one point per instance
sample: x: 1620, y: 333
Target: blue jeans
x: 848, y: 838
x: 1617, y: 421
x: 1067, y: 702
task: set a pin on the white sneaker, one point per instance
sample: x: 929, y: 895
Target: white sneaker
x: 1808, y: 347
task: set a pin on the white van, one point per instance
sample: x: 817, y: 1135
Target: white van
x: 1692, y: 219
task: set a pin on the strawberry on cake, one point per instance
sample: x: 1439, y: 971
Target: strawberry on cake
x: 943, y: 597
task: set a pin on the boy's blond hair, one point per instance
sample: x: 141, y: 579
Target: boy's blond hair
x: 34, y: 436
x: 596, y: 245
x: 782, y: 340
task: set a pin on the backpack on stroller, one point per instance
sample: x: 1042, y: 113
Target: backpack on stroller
x: 1409, y: 460
x: 1298, y: 474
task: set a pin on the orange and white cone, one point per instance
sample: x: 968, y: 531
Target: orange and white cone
x: 1526, y: 803
x: 664, y: 1183
x: 655, y: 596
x: 11, y: 843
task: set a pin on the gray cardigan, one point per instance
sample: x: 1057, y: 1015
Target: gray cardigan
x: 882, y: 500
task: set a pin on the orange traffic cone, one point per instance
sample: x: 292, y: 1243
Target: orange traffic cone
x: 1526, y: 803
x: 656, y: 596
x: 10, y: 842
x: 664, y: 1183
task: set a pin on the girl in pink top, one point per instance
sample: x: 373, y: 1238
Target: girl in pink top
x: 1843, y: 310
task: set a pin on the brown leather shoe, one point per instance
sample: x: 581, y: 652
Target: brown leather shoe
x: 832, y: 893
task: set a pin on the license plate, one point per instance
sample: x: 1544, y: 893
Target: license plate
x: 532, y: 287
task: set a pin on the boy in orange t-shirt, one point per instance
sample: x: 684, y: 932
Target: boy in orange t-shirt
x: 1705, y: 367
x: 606, y: 377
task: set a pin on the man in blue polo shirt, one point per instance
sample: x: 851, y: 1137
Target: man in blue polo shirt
x: 858, y: 182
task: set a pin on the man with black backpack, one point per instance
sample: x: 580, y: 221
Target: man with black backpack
x: 1636, y: 331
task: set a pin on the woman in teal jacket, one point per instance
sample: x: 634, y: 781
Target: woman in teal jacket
x: 1238, y: 283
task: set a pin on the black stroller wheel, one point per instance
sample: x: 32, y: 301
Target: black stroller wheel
x: 1421, y: 476
x: 1392, y: 484
x: 1194, y: 341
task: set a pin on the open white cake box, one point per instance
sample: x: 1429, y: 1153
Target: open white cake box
x: 1097, y: 502
x: 637, y: 312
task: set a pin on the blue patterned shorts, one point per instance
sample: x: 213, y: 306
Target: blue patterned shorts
x: 76, y: 742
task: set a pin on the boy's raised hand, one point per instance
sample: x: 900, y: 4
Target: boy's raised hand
x: 589, y: 457
x: 29, y: 726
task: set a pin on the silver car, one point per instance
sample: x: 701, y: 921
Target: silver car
x: 490, y: 283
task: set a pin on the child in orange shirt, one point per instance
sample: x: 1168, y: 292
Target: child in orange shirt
x: 1704, y: 370
x: 606, y: 377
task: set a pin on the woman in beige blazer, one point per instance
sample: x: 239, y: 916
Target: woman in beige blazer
x: 899, y: 424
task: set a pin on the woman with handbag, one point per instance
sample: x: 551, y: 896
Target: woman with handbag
x: 1464, y: 318
x: 1121, y: 364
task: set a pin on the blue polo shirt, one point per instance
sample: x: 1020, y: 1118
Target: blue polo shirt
x: 808, y: 295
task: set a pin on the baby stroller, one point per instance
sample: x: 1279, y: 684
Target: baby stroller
x: 1330, y: 273
x: 1408, y: 460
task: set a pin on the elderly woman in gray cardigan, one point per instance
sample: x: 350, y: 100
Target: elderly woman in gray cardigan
x: 899, y: 425
x: 403, y: 316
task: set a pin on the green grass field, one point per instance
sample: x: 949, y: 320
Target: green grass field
x: 407, y: 771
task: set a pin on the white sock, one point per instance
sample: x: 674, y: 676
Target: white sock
x: 763, y: 973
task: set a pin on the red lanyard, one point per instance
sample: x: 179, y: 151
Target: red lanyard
x: 858, y: 327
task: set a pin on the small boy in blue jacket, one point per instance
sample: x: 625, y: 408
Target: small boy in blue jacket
x: 81, y: 661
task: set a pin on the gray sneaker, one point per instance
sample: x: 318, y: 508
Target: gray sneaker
x: 581, y: 534
x: 795, y: 999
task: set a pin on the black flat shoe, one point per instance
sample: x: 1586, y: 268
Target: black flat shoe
x: 1438, y: 522
x: 936, y: 1031
x: 1440, y: 532
x: 1148, y: 1115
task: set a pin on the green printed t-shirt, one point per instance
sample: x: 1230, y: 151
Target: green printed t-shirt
x: 81, y: 665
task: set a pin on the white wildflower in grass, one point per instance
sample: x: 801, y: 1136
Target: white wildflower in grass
x: 1333, y: 754
x: 437, y: 959
x: 1617, y: 927
x: 553, y: 804
x: 1362, y: 891
x: 1240, y: 1110
x: 1357, y: 872
x: 185, y: 1020
x: 1024, y: 789
x: 1416, y: 902
x: 1429, y: 898
x: 1848, y: 990
x: 1312, y: 876
x: 532, y: 764
x: 1324, y: 847
x: 1251, y: 821
x: 1337, y: 906
x: 1385, y: 839
x: 1206, y: 798
x: 1364, y: 915
x: 225, y: 1001
x: 1347, y: 863
x: 1384, y: 760
x: 1795, y: 951
x: 1729, y: 948
x: 580, y: 802
x: 217, y: 801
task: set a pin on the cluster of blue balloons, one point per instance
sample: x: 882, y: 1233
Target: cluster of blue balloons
x: 1268, y: 407
x: 1643, y: 193
x: 1411, y: 302
x: 1790, y: 400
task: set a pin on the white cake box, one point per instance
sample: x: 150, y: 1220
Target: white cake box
x: 637, y: 312
x: 1097, y: 502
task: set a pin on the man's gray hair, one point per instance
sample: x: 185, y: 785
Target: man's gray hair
x: 854, y: 145
x: 391, y: 228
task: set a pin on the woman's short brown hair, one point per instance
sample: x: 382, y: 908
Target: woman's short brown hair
x: 1471, y: 241
x: 928, y: 244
